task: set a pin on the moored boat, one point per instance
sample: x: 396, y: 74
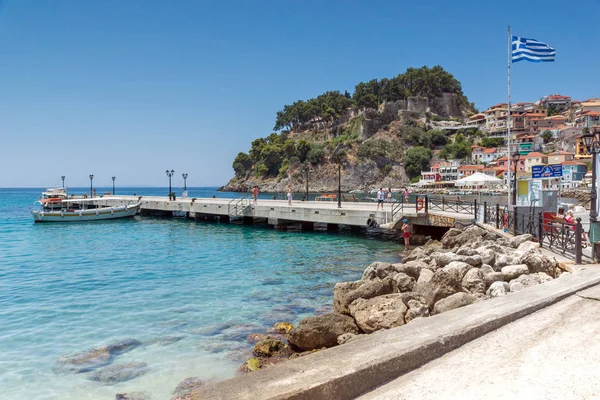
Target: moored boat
x: 80, y: 210
x: 52, y: 198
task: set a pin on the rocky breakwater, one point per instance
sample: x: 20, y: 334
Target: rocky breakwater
x: 466, y: 266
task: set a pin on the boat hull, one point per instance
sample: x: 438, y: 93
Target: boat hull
x: 98, y: 214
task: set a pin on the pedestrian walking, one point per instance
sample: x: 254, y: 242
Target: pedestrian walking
x: 380, y: 195
x: 255, y: 194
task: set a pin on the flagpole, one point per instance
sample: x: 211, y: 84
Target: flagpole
x: 509, y: 179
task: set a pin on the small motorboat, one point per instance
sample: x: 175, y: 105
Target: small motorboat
x: 80, y: 210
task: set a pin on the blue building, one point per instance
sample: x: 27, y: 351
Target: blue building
x: 573, y: 173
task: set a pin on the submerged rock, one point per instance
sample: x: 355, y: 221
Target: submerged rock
x: 119, y: 372
x: 84, y: 362
x: 133, y: 396
x: 166, y: 340
x: 94, y: 358
x: 123, y: 346
x: 321, y: 331
x: 187, y: 385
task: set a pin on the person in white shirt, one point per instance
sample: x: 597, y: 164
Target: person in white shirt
x: 380, y: 198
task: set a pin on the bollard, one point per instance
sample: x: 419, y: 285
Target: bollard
x: 515, y: 221
x: 541, y: 229
x: 497, y: 216
x: 578, y: 234
x: 485, y: 212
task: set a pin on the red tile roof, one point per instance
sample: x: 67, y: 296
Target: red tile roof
x: 534, y: 154
x: 471, y: 167
x: 490, y: 151
x: 558, y: 96
x: 561, y: 153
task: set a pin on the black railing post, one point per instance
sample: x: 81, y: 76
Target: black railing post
x: 497, y: 216
x: 578, y: 234
x: 541, y: 229
x: 426, y: 204
x: 443, y: 202
x: 515, y: 221
x: 476, y: 210
x: 485, y: 219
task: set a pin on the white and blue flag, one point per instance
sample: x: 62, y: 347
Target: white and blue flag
x: 531, y: 50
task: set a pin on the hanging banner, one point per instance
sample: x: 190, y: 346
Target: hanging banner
x: 546, y: 171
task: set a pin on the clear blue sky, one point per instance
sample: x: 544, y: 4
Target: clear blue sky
x: 133, y: 87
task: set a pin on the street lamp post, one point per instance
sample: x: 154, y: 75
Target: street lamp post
x: 170, y: 175
x: 306, y: 171
x: 184, y: 181
x: 515, y: 159
x: 91, y: 187
x: 113, y: 179
x: 339, y: 184
x: 592, y: 145
x: 63, y: 179
x: 338, y: 156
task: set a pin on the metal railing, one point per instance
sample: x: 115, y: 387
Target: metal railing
x: 239, y: 206
x: 551, y: 232
x: 567, y: 238
x: 458, y: 206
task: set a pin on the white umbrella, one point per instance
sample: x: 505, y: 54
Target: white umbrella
x: 478, y: 179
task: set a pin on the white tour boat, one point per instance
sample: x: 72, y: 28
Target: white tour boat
x: 78, y: 210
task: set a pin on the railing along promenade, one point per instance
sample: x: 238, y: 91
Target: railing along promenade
x: 554, y: 233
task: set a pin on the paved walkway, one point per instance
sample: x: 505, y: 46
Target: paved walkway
x: 551, y: 354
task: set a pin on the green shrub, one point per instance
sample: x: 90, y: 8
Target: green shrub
x: 417, y: 159
x: 316, y: 155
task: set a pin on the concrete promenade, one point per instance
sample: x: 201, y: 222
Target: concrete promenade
x: 551, y: 354
x: 278, y: 212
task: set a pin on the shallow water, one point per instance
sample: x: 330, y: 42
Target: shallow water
x: 66, y: 288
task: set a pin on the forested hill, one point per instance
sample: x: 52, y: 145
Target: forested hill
x: 372, y: 129
x: 329, y: 107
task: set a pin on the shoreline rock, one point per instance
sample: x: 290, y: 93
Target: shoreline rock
x: 466, y: 266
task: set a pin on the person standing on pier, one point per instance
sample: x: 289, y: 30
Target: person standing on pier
x: 380, y: 198
x: 406, y: 195
x: 289, y: 195
x: 406, y: 233
x: 255, y: 194
x: 389, y: 196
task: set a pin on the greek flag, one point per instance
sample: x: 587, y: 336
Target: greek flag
x: 531, y: 50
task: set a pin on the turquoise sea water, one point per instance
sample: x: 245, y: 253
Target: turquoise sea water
x: 66, y: 288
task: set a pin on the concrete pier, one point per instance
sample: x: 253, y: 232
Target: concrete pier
x: 279, y: 213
